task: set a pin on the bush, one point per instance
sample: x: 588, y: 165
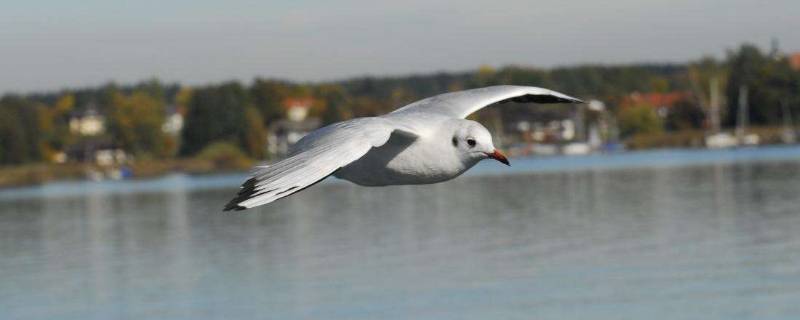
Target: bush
x: 641, y: 119
x: 679, y: 139
x: 225, y: 155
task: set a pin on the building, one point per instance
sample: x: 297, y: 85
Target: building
x: 173, y: 121
x: 97, y: 150
x: 794, y: 60
x: 661, y: 101
x: 88, y: 122
x: 92, y: 145
x: 286, y: 132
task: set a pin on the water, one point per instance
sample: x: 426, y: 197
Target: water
x: 658, y: 235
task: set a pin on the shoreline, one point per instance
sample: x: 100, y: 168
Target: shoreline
x: 43, y: 173
x: 212, y: 175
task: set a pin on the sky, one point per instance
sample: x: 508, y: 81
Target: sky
x: 49, y: 45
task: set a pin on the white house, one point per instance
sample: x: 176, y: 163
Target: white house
x: 87, y: 123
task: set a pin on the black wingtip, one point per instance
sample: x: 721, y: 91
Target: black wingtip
x: 542, y: 98
x: 233, y: 207
x: 247, y: 190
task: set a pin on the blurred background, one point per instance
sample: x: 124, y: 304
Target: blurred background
x: 125, y: 127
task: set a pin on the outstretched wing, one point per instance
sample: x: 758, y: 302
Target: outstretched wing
x: 317, y: 156
x: 460, y: 104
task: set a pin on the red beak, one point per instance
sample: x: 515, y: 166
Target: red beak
x: 499, y: 156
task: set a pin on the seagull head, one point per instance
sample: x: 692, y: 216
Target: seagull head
x: 474, y: 143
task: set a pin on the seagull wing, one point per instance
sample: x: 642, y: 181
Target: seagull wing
x: 315, y: 157
x: 460, y: 104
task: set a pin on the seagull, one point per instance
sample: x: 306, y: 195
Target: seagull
x: 425, y: 142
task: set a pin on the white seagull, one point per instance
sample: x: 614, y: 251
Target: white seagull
x: 428, y: 141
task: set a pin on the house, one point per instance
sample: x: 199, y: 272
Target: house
x: 87, y: 122
x: 286, y: 132
x: 661, y: 101
x: 97, y: 150
x: 794, y: 61
x: 173, y: 121
x: 92, y: 145
x: 570, y: 130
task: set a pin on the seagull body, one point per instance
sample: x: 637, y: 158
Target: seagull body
x: 410, y: 159
x: 425, y: 142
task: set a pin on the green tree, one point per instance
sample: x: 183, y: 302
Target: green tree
x: 60, y: 136
x: 135, y: 123
x: 685, y: 115
x: 336, y: 102
x: 13, y: 147
x: 255, y: 135
x: 701, y: 74
x: 641, y: 119
x: 215, y: 113
x: 268, y: 96
x: 19, y: 135
x: 769, y: 80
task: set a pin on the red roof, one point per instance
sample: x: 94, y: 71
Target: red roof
x: 655, y: 99
x: 290, y: 103
x: 794, y: 60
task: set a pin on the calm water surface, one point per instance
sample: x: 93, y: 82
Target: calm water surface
x: 659, y: 235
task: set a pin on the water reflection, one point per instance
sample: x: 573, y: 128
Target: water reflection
x: 716, y: 241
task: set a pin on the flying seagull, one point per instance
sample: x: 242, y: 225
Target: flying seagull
x: 428, y: 141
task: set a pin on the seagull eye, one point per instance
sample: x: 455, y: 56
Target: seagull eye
x: 471, y: 142
x: 455, y: 142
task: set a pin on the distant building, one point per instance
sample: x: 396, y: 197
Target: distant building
x: 173, y: 122
x: 88, y: 122
x: 286, y: 132
x: 661, y: 101
x: 794, y: 60
x: 573, y: 130
x: 97, y: 150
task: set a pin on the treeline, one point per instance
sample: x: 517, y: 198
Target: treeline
x: 36, y: 127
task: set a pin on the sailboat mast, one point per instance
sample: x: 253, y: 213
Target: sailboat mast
x: 788, y: 134
x: 714, y: 105
x: 742, y: 114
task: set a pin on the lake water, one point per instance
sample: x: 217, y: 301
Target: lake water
x: 651, y: 235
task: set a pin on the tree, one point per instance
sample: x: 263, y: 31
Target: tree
x: 135, y: 123
x: 640, y: 119
x: 215, y: 113
x: 19, y: 134
x: 685, y: 115
x: 336, y: 102
x: 769, y: 80
x: 183, y: 96
x: 255, y: 135
x: 13, y: 147
x: 701, y: 74
x: 52, y: 125
x: 268, y: 96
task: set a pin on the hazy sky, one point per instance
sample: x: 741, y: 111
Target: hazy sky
x: 51, y: 44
